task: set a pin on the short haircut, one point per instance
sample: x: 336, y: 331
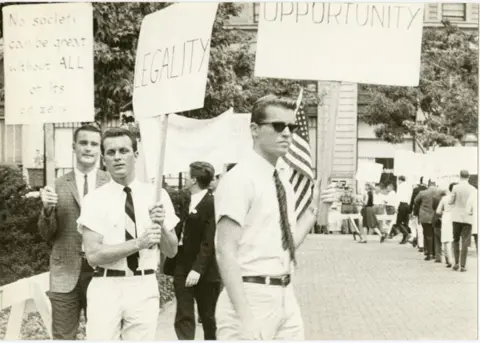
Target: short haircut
x: 203, y: 172
x: 119, y: 132
x: 230, y: 166
x: 453, y: 184
x: 260, y: 106
x: 86, y: 127
x: 401, y: 178
x: 464, y: 174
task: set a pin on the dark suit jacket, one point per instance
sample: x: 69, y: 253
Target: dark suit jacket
x: 60, y: 228
x: 415, y: 192
x: 427, y: 201
x: 198, y: 242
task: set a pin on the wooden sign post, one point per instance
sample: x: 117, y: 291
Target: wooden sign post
x: 326, y: 129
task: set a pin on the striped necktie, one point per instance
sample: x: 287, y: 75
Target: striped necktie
x: 85, y: 185
x: 287, y: 238
x: 130, y: 228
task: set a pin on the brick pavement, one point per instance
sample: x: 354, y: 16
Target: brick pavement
x: 350, y: 291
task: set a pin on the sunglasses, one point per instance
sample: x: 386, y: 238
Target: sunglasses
x: 279, y: 126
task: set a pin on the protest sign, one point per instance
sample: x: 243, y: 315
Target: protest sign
x: 48, y: 63
x: 171, y: 64
x: 369, y: 171
x: 354, y: 42
x: 220, y: 140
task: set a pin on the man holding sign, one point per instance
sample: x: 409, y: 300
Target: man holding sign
x: 258, y: 235
x: 121, y: 233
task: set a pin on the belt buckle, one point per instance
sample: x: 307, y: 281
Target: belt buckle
x: 284, y: 280
x: 128, y: 272
x: 267, y: 280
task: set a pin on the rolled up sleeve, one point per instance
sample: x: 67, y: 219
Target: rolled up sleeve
x: 91, y: 215
x: 233, y: 198
x: 171, y: 220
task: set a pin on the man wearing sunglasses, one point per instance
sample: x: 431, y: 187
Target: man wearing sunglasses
x: 258, y: 234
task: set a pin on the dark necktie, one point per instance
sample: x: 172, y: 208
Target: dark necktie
x: 85, y: 185
x: 287, y: 238
x: 130, y: 229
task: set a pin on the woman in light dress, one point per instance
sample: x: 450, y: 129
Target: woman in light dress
x: 444, y: 210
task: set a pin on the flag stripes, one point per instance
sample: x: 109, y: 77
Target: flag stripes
x: 299, y: 159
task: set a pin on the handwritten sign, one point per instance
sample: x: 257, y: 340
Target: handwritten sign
x: 48, y: 63
x: 172, y: 59
x: 376, y: 43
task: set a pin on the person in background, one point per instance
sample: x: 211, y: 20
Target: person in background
x: 404, y: 194
x: 379, y: 204
x: 369, y: 219
x: 70, y: 272
x: 414, y: 222
x: 472, y: 208
x: 425, y: 202
x: 122, y: 232
x: 391, y: 204
x: 444, y: 210
x: 462, y: 220
x: 194, y: 269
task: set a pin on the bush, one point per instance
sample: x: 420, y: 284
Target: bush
x: 23, y: 252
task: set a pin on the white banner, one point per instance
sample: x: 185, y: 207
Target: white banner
x: 369, y: 171
x: 220, y: 140
x: 171, y: 64
x: 375, y: 43
x: 48, y: 63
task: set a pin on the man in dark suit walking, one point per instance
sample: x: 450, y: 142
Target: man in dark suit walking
x: 194, y: 268
x: 70, y: 272
x: 426, y: 202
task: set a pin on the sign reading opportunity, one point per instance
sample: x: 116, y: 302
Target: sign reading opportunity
x: 48, y: 63
x: 377, y: 43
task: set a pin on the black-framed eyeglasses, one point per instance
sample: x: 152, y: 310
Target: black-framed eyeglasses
x: 279, y: 126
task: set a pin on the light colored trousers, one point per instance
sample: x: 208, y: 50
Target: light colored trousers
x: 275, y: 309
x: 417, y: 230
x: 123, y: 308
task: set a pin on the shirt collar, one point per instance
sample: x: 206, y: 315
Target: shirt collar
x: 261, y: 164
x: 197, y: 197
x: 134, y: 185
x: 80, y: 176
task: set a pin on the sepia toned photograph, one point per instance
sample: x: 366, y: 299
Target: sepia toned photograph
x: 239, y: 171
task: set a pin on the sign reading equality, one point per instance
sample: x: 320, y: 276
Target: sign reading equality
x: 172, y: 59
x: 48, y: 51
x: 374, y: 43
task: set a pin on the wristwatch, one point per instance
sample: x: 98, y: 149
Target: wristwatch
x: 314, y: 210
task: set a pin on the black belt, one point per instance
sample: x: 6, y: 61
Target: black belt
x: 283, y: 281
x: 99, y: 272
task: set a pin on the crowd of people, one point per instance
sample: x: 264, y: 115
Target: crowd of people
x: 233, y: 244
x: 439, y: 221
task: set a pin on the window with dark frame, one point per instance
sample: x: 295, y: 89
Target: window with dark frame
x: 454, y: 11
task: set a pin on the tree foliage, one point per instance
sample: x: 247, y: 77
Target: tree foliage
x: 446, y: 96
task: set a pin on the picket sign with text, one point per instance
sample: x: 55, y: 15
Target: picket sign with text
x: 171, y: 66
x: 375, y: 43
x: 48, y: 63
x: 48, y: 68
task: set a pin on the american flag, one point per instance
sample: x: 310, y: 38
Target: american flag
x: 299, y: 159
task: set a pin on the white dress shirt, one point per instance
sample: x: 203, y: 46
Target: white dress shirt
x: 404, y: 192
x: 103, y: 211
x: 194, y: 201
x: 80, y: 181
x: 247, y: 195
x: 392, y: 199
